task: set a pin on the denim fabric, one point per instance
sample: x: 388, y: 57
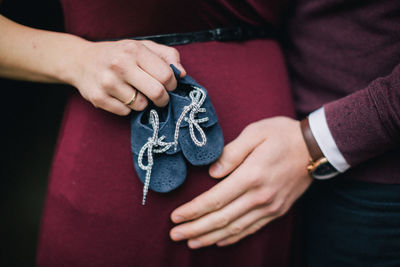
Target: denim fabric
x: 351, y: 223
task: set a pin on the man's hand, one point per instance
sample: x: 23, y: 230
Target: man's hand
x: 266, y: 173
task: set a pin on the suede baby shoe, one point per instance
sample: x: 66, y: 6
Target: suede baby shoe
x: 197, y: 131
x: 159, y: 164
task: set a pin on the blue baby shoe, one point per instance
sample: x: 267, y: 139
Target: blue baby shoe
x: 197, y: 130
x: 159, y: 164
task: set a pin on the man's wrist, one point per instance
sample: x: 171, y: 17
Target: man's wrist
x: 323, y: 136
x: 319, y: 167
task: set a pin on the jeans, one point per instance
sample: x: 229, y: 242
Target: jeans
x: 351, y: 223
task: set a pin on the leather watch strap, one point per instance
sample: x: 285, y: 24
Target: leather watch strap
x: 312, y: 145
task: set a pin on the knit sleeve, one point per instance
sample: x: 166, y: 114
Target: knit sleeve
x: 367, y: 122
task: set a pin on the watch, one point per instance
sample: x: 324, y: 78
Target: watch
x: 319, y: 166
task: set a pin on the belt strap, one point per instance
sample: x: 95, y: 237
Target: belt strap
x: 241, y: 33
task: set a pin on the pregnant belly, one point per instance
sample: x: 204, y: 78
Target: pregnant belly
x: 93, y: 206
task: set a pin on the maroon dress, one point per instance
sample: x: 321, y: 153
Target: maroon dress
x: 93, y: 214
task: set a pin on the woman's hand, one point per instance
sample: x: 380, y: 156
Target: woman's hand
x: 266, y: 173
x: 105, y: 73
x: 108, y: 73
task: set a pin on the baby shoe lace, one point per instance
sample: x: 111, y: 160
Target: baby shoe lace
x: 198, y: 96
x: 154, y: 144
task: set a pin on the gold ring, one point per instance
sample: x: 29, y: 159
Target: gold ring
x: 133, y: 98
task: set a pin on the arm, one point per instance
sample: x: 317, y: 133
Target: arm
x: 266, y: 165
x: 366, y: 123
x: 36, y: 55
x: 105, y: 73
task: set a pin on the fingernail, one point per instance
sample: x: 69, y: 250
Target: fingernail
x: 177, y: 218
x: 194, y: 244
x: 177, y: 236
x: 216, y: 169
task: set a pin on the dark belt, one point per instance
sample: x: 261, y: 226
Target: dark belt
x: 237, y: 34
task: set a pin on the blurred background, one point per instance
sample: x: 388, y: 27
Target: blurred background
x: 30, y: 117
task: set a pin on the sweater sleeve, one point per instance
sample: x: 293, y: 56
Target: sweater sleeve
x: 366, y: 123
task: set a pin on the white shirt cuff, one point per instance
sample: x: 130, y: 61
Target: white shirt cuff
x: 322, y: 134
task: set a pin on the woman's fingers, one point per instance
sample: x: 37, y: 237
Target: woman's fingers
x: 157, y: 68
x: 118, y: 68
x: 148, y: 86
x: 110, y: 104
x: 125, y: 93
x: 168, y: 54
x: 140, y: 102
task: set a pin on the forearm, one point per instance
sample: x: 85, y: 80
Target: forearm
x: 37, y: 55
x: 366, y: 123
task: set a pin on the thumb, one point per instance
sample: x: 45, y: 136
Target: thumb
x: 236, y: 152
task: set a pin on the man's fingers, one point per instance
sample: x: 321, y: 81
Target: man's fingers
x: 233, y: 229
x: 221, y: 218
x: 213, y: 199
x: 236, y: 152
x: 248, y: 231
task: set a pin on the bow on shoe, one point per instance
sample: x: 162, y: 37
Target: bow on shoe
x: 154, y: 144
x: 198, y: 96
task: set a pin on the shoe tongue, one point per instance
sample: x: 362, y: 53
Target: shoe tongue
x: 142, y: 129
x: 179, y: 102
x: 180, y: 98
x: 177, y: 72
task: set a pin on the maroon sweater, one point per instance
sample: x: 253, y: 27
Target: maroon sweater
x: 344, y: 50
x: 345, y: 56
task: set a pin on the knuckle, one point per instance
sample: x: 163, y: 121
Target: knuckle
x: 141, y: 103
x: 195, y: 212
x: 221, y: 221
x: 255, y: 179
x: 107, y: 81
x: 275, y: 208
x: 235, y: 229
x: 131, y: 46
x: 173, y: 52
x: 166, y: 76
x: 115, y: 63
x: 262, y: 198
x: 250, y: 128
x: 232, y: 156
x: 157, y: 93
x: 97, y: 100
x: 215, y: 203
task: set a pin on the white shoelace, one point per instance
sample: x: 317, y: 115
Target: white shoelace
x: 198, y: 96
x: 154, y: 144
